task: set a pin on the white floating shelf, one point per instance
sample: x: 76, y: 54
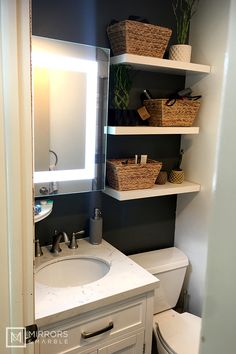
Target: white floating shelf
x: 140, y: 130
x: 156, y: 191
x: 46, y: 210
x: 161, y: 65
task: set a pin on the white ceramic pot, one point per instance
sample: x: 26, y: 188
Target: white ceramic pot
x: 180, y: 52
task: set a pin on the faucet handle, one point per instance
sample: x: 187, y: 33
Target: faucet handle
x: 73, y: 243
x: 38, y: 249
x: 81, y: 232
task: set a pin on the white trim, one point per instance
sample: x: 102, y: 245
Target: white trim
x: 4, y: 293
x: 16, y: 169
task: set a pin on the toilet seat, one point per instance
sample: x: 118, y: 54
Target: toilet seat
x: 177, y: 333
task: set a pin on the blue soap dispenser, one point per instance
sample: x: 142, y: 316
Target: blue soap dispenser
x: 95, y: 229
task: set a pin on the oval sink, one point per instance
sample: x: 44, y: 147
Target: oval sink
x: 72, y: 272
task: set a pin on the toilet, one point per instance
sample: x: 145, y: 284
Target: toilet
x: 175, y: 333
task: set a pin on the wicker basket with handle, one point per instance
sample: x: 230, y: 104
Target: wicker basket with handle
x: 139, y: 38
x: 124, y: 174
x: 181, y: 114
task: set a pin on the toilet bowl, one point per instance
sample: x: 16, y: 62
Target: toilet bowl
x: 175, y: 333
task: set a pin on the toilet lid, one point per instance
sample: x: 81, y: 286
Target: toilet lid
x: 178, y: 333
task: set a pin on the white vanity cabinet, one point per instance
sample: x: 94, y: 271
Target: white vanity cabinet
x: 110, y: 315
x: 126, y: 328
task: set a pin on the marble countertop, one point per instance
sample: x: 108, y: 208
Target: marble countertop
x: 124, y: 279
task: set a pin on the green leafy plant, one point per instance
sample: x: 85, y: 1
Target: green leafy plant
x: 120, y: 85
x: 183, y: 11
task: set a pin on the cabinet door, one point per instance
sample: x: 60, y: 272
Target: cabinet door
x: 70, y: 351
x: 78, y: 351
x: 131, y: 345
x: 58, y: 347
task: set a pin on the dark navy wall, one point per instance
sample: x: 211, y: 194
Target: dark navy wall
x: 131, y: 226
x: 85, y: 21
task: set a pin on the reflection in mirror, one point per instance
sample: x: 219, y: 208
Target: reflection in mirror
x: 70, y: 83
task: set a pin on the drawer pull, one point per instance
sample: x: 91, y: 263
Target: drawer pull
x: 86, y: 335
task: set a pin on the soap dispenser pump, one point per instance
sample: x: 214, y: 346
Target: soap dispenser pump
x: 95, y: 229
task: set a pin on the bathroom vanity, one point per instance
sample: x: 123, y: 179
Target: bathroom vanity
x: 107, y: 308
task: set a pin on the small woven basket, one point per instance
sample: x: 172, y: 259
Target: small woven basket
x: 181, y: 114
x: 176, y: 176
x: 162, y: 177
x: 124, y: 174
x: 139, y: 38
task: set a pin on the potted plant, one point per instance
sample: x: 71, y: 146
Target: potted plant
x: 119, y: 89
x: 183, y: 11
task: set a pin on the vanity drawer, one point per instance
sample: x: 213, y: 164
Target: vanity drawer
x: 95, y: 328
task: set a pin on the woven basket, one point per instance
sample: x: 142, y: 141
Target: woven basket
x: 124, y: 177
x: 139, y: 38
x: 181, y: 114
x: 162, y: 177
x: 176, y: 176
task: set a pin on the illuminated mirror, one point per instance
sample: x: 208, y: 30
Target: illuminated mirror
x: 70, y: 83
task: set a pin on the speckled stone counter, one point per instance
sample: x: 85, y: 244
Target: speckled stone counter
x: 125, y: 279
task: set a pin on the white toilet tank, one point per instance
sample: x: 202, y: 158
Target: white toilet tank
x: 169, y: 266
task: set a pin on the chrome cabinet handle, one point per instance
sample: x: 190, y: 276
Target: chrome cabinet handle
x: 86, y: 335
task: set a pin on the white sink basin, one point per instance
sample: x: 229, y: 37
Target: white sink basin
x: 72, y: 272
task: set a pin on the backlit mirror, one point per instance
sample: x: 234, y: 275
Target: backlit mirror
x: 70, y: 85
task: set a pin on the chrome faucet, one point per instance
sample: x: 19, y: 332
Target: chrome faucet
x: 56, y: 241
